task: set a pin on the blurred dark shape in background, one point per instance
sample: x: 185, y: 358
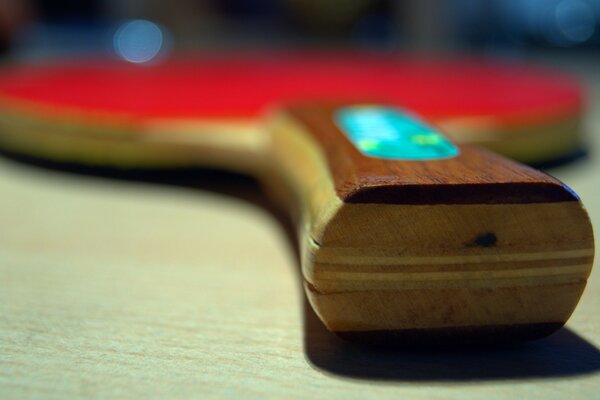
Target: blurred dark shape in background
x: 39, y: 28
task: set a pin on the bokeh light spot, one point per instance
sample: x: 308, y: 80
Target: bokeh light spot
x: 138, y: 41
x: 575, y: 20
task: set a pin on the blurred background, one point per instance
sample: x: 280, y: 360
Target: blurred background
x: 507, y: 28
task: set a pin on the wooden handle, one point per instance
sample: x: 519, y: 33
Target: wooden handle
x: 466, y: 245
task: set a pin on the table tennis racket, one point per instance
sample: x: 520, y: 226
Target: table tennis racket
x: 405, y: 233
x: 526, y: 113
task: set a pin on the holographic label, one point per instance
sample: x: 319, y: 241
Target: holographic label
x: 391, y: 133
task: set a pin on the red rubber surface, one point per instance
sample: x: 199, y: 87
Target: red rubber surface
x: 244, y: 85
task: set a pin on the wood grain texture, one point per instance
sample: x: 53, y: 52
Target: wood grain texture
x: 381, y: 254
x: 90, y: 139
x: 120, y: 142
x: 528, y: 142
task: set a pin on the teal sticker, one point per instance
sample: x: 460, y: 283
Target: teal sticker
x: 391, y: 133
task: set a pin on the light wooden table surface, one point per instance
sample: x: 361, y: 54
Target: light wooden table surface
x: 112, y: 288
